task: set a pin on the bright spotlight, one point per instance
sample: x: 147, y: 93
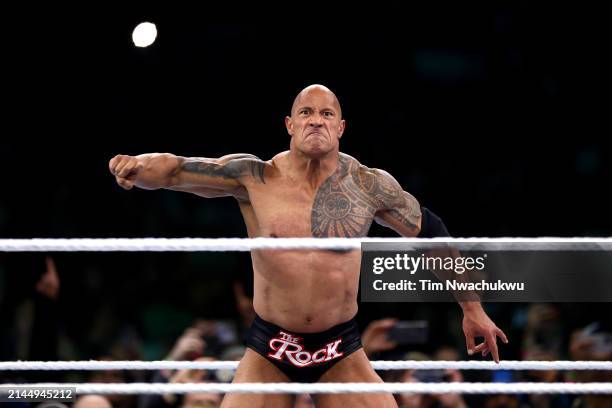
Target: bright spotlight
x: 144, y: 34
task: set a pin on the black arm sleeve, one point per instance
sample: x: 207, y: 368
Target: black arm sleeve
x: 431, y: 225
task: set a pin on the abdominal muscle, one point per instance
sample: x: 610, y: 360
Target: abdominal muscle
x: 306, y: 291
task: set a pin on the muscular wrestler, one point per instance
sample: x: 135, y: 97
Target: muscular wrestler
x: 305, y: 301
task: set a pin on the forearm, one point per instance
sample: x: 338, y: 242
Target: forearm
x: 157, y: 170
x: 470, y: 305
x: 432, y: 226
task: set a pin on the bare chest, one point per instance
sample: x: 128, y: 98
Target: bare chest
x: 338, y: 208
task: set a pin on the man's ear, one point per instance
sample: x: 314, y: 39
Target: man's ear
x: 289, y: 125
x: 341, y: 128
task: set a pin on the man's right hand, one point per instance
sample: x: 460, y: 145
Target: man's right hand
x: 125, y: 169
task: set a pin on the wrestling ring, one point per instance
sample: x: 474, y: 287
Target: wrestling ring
x: 240, y: 244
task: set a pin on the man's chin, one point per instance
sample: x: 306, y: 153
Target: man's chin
x: 316, y: 153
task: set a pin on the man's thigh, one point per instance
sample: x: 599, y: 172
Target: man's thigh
x: 354, y: 368
x: 255, y: 368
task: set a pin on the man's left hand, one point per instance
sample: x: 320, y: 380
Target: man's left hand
x: 476, y: 323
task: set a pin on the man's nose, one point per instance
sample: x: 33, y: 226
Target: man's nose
x: 316, y: 120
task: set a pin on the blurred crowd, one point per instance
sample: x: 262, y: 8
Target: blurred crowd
x: 36, y: 330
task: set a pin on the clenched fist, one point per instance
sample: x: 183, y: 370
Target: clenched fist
x: 125, y: 169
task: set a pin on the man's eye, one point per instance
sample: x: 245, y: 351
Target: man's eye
x: 304, y: 112
x: 329, y: 114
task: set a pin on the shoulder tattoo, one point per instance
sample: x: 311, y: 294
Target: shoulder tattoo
x: 399, y: 204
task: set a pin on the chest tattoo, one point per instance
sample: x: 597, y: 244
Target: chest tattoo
x: 345, y: 204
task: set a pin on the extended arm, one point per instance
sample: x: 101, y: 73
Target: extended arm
x: 203, y: 176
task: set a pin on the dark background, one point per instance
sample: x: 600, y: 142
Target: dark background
x: 494, y: 117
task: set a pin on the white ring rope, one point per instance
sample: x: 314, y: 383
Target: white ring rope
x: 248, y: 244
x: 332, y: 388
x: 231, y: 365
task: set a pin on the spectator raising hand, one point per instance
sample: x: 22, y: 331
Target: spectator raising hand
x: 189, y: 346
x: 374, y: 337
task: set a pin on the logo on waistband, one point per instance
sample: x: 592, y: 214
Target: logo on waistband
x: 286, y: 345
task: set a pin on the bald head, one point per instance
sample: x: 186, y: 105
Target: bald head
x: 92, y: 401
x: 316, y: 88
x: 316, y: 123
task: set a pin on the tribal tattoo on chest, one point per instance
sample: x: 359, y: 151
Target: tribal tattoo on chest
x: 346, y: 203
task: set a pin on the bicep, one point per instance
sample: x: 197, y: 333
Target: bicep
x: 404, y: 217
x: 224, y: 174
x: 398, y: 209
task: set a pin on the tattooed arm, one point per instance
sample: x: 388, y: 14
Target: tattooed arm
x: 397, y: 209
x: 402, y: 212
x: 202, y: 176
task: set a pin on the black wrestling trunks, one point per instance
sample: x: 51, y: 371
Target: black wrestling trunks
x: 303, y: 357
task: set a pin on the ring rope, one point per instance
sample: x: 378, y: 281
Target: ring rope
x: 331, y: 388
x: 231, y: 365
x: 248, y: 244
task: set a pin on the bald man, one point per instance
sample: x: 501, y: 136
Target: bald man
x: 92, y: 401
x: 305, y: 301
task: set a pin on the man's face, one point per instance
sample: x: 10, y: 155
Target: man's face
x: 316, y: 123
